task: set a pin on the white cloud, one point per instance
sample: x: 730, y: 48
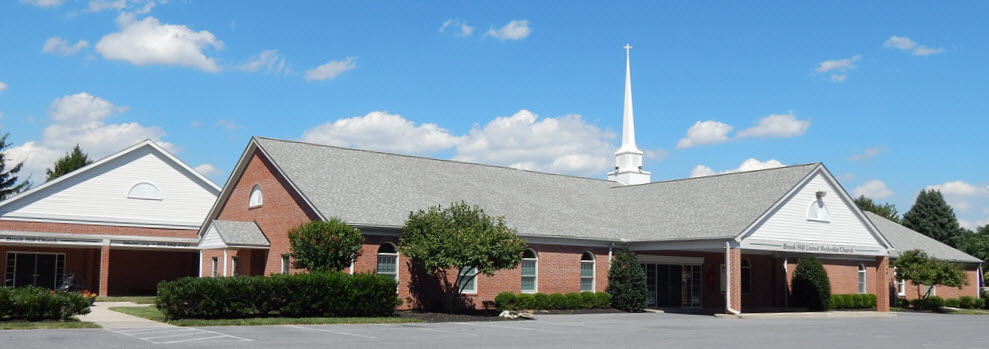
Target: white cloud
x: 382, y: 131
x: 840, y: 65
x: 873, y: 189
x: 838, y: 78
x: 43, y: 3
x: 959, y: 188
x: 460, y: 27
x: 705, y: 132
x: 58, y: 45
x: 100, y: 5
x: 225, y: 124
x: 973, y: 224
x: 269, y: 60
x: 776, y: 125
x: 868, y: 153
x: 514, y: 30
x: 330, y: 70
x: 148, y: 41
x: 747, y: 165
x: 81, y: 119
x: 905, y: 44
x: 207, y: 170
x: 565, y: 144
x: 3, y: 86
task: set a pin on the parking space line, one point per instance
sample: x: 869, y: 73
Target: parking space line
x: 424, y: 328
x: 512, y: 327
x: 170, y: 335
x: 164, y: 331
x: 331, y: 331
x: 189, y: 331
x: 194, y: 339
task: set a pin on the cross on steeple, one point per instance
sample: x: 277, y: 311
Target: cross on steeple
x: 627, y: 47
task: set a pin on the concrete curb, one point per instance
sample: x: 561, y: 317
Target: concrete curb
x: 810, y: 315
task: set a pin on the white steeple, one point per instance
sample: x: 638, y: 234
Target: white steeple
x: 628, y: 158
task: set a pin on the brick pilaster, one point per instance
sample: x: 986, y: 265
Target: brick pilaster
x: 104, y: 270
x: 882, y: 283
x: 735, y: 279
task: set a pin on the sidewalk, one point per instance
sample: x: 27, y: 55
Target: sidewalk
x: 101, y: 314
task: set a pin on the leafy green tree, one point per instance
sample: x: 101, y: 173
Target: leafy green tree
x: 320, y: 246
x: 932, y: 216
x: 886, y: 210
x: 8, y: 177
x: 811, y: 286
x: 976, y: 243
x: 920, y: 269
x: 627, y: 282
x: 70, y: 162
x: 457, y: 238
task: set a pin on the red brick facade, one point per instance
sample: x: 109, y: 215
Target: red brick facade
x: 912, y: 291
x: 69, y: 228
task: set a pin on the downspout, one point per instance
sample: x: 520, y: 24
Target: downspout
x: 982, y: 282
x: 609, y: 255
x: 225, y: 262
x: 728, y: 280
x: 200, y: 263
x: 786, y: 283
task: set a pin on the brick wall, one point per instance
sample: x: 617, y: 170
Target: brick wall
x: 915, y: 291
x: 93, y: 229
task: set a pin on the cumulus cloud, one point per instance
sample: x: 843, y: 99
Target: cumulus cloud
x: 58, y: 45
x: 514, y: 30
x: 750, y: 164
x: 959, y: 188
x: 964, y: 197
x: 839, y: 65
x: 382, y: 131
x: 269, y: 60
x: 904, y: 43
x: 873, y: 189
x: 207, y: 170
x: 43, y: 3
x: 3, y: 86
x: 149, y: 41
x: 224, y: 124
x: 776, y: 125
x: 838, y: 77
x: 330, y: 70
x: 82, y: 119
x: 705, y: 132
x: 459, y: 27
x: 868, y: 153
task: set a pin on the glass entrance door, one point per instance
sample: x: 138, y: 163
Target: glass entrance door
x: 691, y: 285
x: 673, y: 285
x: 34, y: 269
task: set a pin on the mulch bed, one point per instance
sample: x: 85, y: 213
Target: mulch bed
x: 579, y: 311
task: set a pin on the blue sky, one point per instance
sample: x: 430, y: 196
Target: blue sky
x: 891, y: 96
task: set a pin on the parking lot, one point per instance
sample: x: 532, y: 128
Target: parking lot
x: 550, y: 331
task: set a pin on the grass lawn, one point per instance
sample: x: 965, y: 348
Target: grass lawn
x: 30, y: 325
x: 138, y: 300
x: 945, y: 311
x: 152, y: 313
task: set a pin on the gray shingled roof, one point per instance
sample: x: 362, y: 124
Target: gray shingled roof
x: 905, y: 239
x: 240, y: 233
x: 379, y: 189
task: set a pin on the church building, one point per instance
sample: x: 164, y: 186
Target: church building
x: 728, y: 242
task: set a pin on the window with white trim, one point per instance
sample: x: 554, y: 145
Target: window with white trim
x: 286, y: 264
x: 530, y: 270
x: 818, y: 211
x: 468, y: 280
x: 215, y: 267
x: 901, y: 285
x: 145, y: 191
x: 388, y: 260
x: 257, y: 198
x: 746, y: 276
x: 862, y: 278
x: 233, y: 265
x: 587, y: 272
x: 931, y: 289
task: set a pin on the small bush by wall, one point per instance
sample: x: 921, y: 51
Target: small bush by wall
x: 966, y: 302
x: 525, y: 301
x: 951, y: 302
x: 542, y: 301
x: 295, y: 295
x: 572, y: 300
x: 933, y: 303
x: 853, y: 301
x: 36, y: 303
x: 902, y: 303
x: 505, y: 300
x: 979, y: 303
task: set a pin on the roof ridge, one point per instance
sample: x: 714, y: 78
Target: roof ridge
x: 721, y: 175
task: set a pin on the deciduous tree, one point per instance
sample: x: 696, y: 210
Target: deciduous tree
x: 320, y: 246
x: 920, y: 269
x: 886, y: 210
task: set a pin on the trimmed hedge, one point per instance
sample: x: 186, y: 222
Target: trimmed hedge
x: 852, y: 301
x: 967, y: 302
x: 294, y: 295
x: 36, y: 303
x: 572, y: 300
x: 979, y: 303
x: 902, y: 303
x: 951, y: 302
x: 933, y: 303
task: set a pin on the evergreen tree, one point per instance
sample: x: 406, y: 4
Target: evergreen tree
x: 931, y: 216
x: 811, y: 287
x: 70, y: 162
x: 627, y: 282
x: 8, y: 178
x: 886, y: 210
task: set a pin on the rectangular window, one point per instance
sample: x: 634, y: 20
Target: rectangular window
x: 587, y: 276
x: 215, y: 265
x: 932, y: 289
x: 468, y: 284
x: 285, y: 264
x: 233, y: 267
x: 528, y: 276
x: 901, y: 286
x: 388, y: 265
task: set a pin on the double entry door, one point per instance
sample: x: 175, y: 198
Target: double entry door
x: 34, y: 269
x: 673, y: 285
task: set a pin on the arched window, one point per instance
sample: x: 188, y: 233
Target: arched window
x: 144, y: 190
x: 257, y: 199
x: 818, y: 211
x: 587, y: 272
x: 746, y: 276
x: 530, y: 270
x: 388, y: 260
x: 862, y: 279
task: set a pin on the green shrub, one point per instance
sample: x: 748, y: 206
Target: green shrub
x: 952, y: 302
x: 979, y: 303
x: 525, y: 301
x: 6, y: 305
x: 852, y: 301
x: 36, y: 303
x: 505, y: 301
x: 602, y: 300
x: 933, y: 303
x: 587, y: 299
x: 627, y: 282
x: 574, y: 301
x: 811, y: 286
x: 557, y: 301
x: 902, y: 303
x: 542, y: 301
x: 917, y: 304
x: 295, y: 295
x: 872, y: 300
x: 966, y: 302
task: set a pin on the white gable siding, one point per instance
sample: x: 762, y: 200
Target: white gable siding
x: 99, y: 195
x: 790, y: 223
x: 212, y: 239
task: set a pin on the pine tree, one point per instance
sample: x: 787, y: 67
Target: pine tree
x: 886, y: 210
x: 70, y: 162
x: 8, y: 178
x: 627, y: 282
x: 932, y: 216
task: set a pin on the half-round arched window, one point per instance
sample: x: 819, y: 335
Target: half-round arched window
x: 587, y: 272
x: 388, y: 260
x: 862, y: 277
x: 257, y: 199
x: 144, y: 190
x: 746, y: 276
x: 818, y: 211
x: 530, y: 270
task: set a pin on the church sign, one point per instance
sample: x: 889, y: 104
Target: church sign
x: 812, y: 247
